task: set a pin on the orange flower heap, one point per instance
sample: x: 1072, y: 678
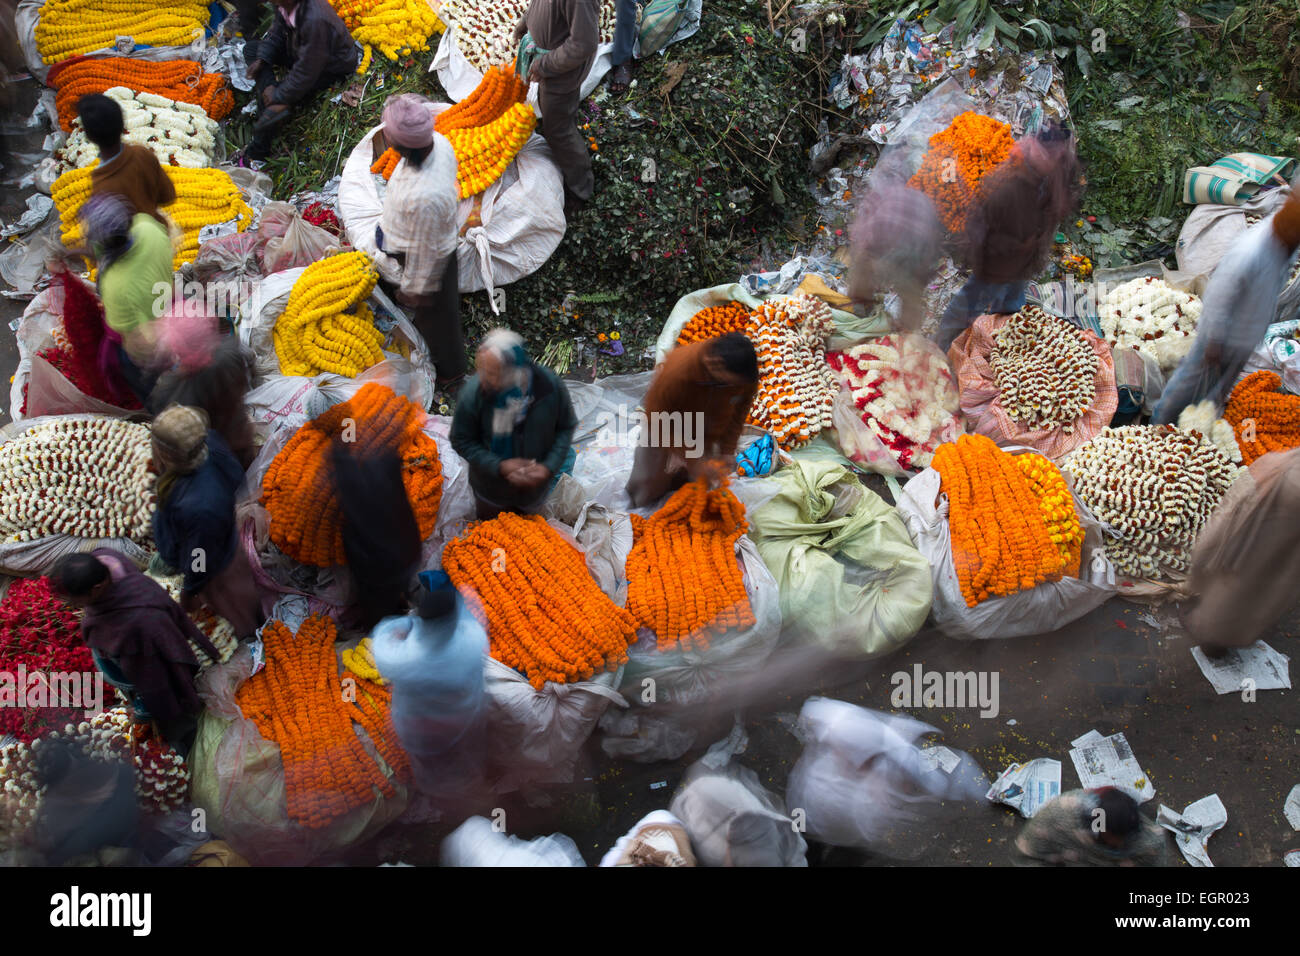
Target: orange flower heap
x: 958, y: 160
x: 386, y: 164
x: 181, y: 80
x: 484, y: 152
x: 714, y: 321
x: 298, y: 703
x: 500, y: 89
x: 684, y: 582
x: 298, y: 489
x: 545, y: 615
x: 1263, y: 418
x: 1001, y: 539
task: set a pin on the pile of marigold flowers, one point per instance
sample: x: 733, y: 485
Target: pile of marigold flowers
x: 395, y: 27
x: 73, y: 27
x: 487, y: 129
x: 204, y: 197
x: 1013, y: 524
x: 386, y: 164
x: 684, y: 580
x: 326, y: 325
x: 796, y: 388
x: 959, y: 158
x: 1263, y: 417
x: 298, y: 489
x: 545, y: 615
x: 180, y: 80
x: 300, y: 702
x: 714, y: 321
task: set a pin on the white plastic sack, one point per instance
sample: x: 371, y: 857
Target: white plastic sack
x: 1280, y: 353
x: 476, y: 842
x: 1038, y: 611
x: 1210, y: 230
x: 733, y: 820
x: 862, y: 782
x: 522, y: 216
x: 460, y: 78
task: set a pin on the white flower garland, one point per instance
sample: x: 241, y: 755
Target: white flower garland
x: 1155, y: 486
x: 1150, y: 316
x: 1201, y: 418
x: 178, y: 133
x: 485, y: 29
x: 1045, y: 370
x: 217, y: 629
x: 796, y: 388
x: 83, y: 477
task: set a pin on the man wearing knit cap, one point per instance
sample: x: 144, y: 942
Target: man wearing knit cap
x: 1239, y: 303
x: 565, y: 33
x: 419, y: 230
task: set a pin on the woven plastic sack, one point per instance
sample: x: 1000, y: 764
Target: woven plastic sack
x: 981, y: 402
x: 850, y: 578
x: 520, y: 217
x: 1210, y: 230
x: 237, y: 778
x: 1040, y: 610
x: 1280, y: 353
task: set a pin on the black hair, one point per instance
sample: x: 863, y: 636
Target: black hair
x: 737, y: 353
x: 76, y: 575
x: 1121, y: 810
x: 415, y: 156
x: 101, y: 118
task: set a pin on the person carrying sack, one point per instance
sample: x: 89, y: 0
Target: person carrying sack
x: 558, y: 40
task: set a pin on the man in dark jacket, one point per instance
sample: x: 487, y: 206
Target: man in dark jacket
x: 310, y: 42
x: 514, y: 425
x: 568, y: 32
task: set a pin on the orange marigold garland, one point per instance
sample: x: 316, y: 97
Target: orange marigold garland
x: 386, y: 163
x: 796, y: 387
x: 545, y: 615
x: 299, y: 702
x: 1001, y: 540
x: 298, y: 489
x: 714, y: 321
x: 500, y: 89
x: 181, y: 80
x: 684, y: 582
x: 959, y: 157
x: 1263, y: 418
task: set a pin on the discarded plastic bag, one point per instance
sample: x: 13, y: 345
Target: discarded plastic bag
x: 288, y: 241
x: 476, y: 842
x: 850, y: 578
x: 1040, y: 610
x: 862, y: 781
x: 733, y: 820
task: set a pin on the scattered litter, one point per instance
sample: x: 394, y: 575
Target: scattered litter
x: 1109, y: 762
x: 1193, y: 827
x: 1265, y: 668
x: 1012, y: 722
x: 1292, y: 858
x: 1292, y: 807
x: 940, y: 758
x: 1027, y: 787
x: 1149, y: 619
x: 38, y: 208
x: 659, y: 785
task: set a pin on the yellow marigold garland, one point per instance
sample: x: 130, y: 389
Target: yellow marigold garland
x: 1057, y: 507
x: 484, y: 152
x: 360, y: 660
x: 327, y: 326
x: 394, y: 27
x: 70, y: 28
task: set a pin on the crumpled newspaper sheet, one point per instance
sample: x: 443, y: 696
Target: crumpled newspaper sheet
x: 38, y: 208
x: 1026, y: 787
x: 786, y: 279
x: 227, y: 56
x: 1109, y: 762
x: 1193, y: 827
x: 1291, y: 809
x: 1257, y: 667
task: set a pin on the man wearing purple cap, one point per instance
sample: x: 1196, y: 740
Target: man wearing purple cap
x: 419, y: 230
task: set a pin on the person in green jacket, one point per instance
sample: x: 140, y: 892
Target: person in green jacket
x: 514, y: 425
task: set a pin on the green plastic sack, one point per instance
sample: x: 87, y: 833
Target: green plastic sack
x: 658, y: 23
x: 850, y: 577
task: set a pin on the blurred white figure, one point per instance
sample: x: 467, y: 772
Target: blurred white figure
x: 862, y: 782
x: 476, y: 842
x: 658, y: 839
x: 733, y: 821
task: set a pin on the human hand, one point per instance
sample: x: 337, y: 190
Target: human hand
x: 267, y: 95
x: 535, y: 72
x: 276, y: 109
x: 254, y: 68
x: 538, y: 473
x: 511, y: 465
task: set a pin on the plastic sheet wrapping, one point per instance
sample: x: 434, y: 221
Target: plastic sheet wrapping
x: 863, y: 782
x: 733, y: 820
x: 1041, y: 610
x: 1210, y: 230
x: 850, y: 578
x: 288, y: 241
x: 237, y: 778
x: 1279, y: 352
x: 520, y: 216
x: 476, y: 842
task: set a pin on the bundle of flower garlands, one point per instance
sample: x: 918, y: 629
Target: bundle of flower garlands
x: 905, y: 394
x: 545, y: 615
x: 360, y: 660
x: 75, y: 352
x: 178, y: 133
x: 1154, y: 485
x: 203, y: 197
x: 182, y: 81
x: 217, y: 629
x: 327, y: 326
x: 1045, y: 369
x: 1151, y: 316
x: 88, y: 478
x: 1203, y: 417
x: 386, y: 164
x: 714, y: 321
x: 298, y: 702
x: 683, y: 578
x: 41, y: 635
x: 487, y: 129
x: 796, y: 388
x: 72, y: 27
x: 957, y: 161
x: 298, y: 489
x: 485, y: 28
x: 1012, y: 521
x: 1263, y: 417
x: 162, y: 781
x: 395, y: 27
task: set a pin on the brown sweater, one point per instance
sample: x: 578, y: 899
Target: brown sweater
x: 136, y: 175
x: 569, y: 30
x: 683, y: 384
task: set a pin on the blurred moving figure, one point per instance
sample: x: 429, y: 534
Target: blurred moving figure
x: 733, y: 821
x: 477, y: 842
x: 1009, y: 232
x: 1100, y: 827
x: 1240, y: 301
x: 1251, y: 540
x: 214, y: 379
x: 657, y: 839
x: 897, y: 239
x: 88, y: 804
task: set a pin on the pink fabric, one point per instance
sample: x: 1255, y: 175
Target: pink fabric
x: 189, y: 335
x: 407, y: 122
